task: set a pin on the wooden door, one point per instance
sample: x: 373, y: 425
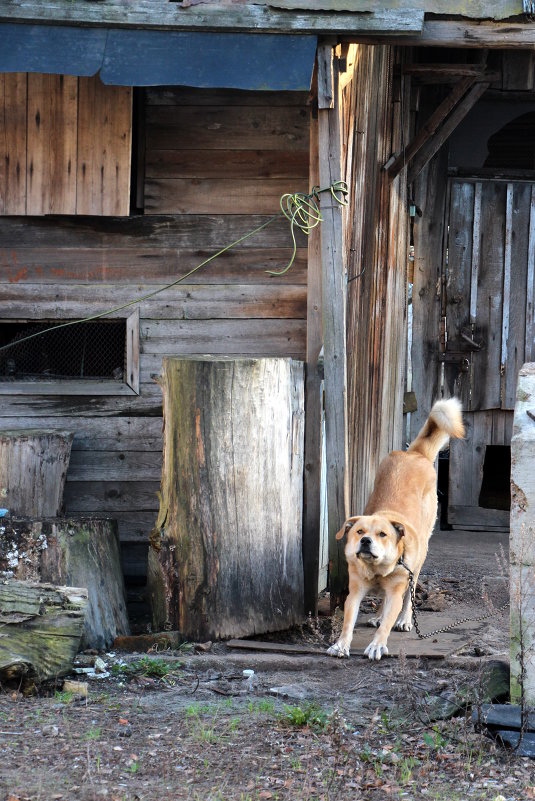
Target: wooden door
x: 488, y: 271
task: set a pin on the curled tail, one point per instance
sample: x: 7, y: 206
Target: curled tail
x: 445, y: 420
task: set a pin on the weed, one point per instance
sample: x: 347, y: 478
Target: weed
x: 146, y: 666
x: 265, y: 705
x: 64, y: 696
x: 92, y: 734
x: 307, y: 715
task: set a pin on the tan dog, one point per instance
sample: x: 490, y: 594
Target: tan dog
x: 397, y: 522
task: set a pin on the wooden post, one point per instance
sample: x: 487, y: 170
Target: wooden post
x: 41, y: 629
x: 33, y: 466
x: 312, y: 489
x: 226, y: 553
x: 76, y: 552
x: 334, y: 319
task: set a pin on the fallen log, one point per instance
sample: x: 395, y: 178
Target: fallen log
x: 40, y: 629
x: 33, y: 466
x: 225, y: 556
x: 80, y: 552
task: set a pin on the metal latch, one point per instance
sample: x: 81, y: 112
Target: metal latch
x: 456, y: 357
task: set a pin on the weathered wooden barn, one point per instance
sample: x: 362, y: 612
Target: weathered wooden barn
x: 139, y: 138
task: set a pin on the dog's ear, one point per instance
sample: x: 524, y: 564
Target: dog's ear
x: 400, y: 529
x: 350, y: 522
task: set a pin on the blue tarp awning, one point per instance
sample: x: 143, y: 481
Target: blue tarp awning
x: 136, y: 57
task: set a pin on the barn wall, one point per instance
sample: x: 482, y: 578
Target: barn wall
x: 215, y: 168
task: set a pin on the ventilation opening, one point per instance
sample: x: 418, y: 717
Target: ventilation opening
x: 90, y: 350
x: 496, y: 485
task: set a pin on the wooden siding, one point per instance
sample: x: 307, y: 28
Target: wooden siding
x: 66, y: 145
x: 64, y: 268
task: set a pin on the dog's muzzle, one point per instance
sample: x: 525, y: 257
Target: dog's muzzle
x: 365, y: 548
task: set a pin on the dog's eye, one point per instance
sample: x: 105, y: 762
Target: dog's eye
x: 382, y: 534
x: 360, y: 531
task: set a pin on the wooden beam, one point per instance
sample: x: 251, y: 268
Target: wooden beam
x: 448, y: 70
x: 460, y: 33
x: 254, y: 18
x: 435, y: 143
x: 313, y: 378
x: 431, y: 126
x: 334, y: 324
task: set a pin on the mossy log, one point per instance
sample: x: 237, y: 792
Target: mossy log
x: 225, y: 557
x: 40, y: 629
x: 83, y: 552
x: 33, y: 466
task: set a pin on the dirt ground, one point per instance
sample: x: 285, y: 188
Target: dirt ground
x: 187, y: 725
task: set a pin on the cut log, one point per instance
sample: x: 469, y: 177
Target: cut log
x: 33, y: 466
x: 82, y: 552
x: 225, y: 557
x: 41, y: 628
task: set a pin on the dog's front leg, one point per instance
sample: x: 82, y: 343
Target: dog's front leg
x: 351, y: 609
x: 391, y: 609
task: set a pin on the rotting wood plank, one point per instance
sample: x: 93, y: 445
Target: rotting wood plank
x: 51, y: 141
x: 13, y: 134
x: 112, y: 496
x: 462, y: 33
x: 117, y: 434
x: 530, y: 284
x: 116, y: 465
x: 518, y: 322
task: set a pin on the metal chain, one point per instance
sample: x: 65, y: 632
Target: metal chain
x: 412, y: 590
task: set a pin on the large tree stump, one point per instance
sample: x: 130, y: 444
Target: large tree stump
x: 40, y: 629
x: 82, y: 552
x: 33, y: 466
x: 225, y: 557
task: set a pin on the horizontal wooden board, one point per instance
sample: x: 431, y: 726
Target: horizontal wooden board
x: 226, y: 128
x: 67, y: 387
x: 291, y: 166
x: 48, y: 265
x: 244, y: 337
x: 132, y: 526
x: 191, y: 302
x: 191, y: 96
x: 115, y: 465
x: 209, y: 232
x: 96, y: 433
x: 465, y: 516
x: 146, y: 405
x: 112, y: 496
x: 219, y: 195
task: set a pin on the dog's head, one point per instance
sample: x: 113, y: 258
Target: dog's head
x: 374, y: 539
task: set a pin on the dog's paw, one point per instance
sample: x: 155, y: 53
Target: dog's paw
x: 375, y: 650
x: 339, y: 649
x: 375, y: 622
x: 405, y: 624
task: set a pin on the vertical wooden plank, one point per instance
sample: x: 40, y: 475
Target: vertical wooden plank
x: 518, y: 287
x: 458, y: 283
x: 506, y: 289
x: 476, y: 253
x: 51, y: 160
x: 486, y: 379
x: 104, y: 148
x: 334, y: 333
x: 132, y: 350
x: 13, y: 127
x: 313, y: 389
x: 530, y: 286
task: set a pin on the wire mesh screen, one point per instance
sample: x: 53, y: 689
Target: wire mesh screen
x: 95, y: 349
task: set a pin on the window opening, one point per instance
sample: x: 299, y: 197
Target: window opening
x: 496, y: 487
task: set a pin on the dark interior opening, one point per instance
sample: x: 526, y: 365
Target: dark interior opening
x: 496, y: 485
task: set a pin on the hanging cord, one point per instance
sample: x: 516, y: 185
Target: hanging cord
x: 412, y: 590
x: 301, y: 210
